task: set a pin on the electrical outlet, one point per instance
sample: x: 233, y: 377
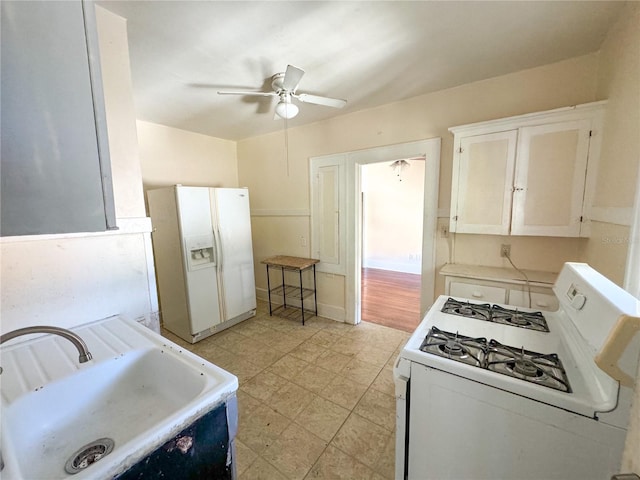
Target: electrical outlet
x: 444, y: 231
x: 505, y: 250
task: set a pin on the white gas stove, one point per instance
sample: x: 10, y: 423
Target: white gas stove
x: 494, y: 391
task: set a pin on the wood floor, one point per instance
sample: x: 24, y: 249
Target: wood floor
x: 391, y: 298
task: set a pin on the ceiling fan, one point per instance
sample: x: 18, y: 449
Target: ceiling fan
x: 285, y: 85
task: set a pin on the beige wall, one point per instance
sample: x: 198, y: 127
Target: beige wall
x: 619, y: 82
x: 262, y: 160
x: 169, y: 156
x: 121, y: 116
x: 606, y: 250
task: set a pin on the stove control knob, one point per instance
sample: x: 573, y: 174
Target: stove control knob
x: 578, y: 301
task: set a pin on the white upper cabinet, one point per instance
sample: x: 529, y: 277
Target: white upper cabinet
x: 55, y: 173
x: 526, y: 175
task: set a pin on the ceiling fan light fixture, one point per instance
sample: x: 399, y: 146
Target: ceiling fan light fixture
x: 286, y: 109
x: 284, y: 85
x: 398, y: 166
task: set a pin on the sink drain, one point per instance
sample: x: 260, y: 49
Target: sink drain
x: 88, y: 455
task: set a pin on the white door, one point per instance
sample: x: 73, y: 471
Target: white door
x: 232, y: 228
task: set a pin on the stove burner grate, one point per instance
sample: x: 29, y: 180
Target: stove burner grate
x: 497, y: 314
x: 542, y: 369
x: 530, y: 320
x: 481, y: 311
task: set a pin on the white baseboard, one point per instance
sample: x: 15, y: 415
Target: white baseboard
x: 415, y: 268
x: 261, y: 294
x: 332, y: 312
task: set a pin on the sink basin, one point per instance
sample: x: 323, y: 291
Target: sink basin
x: 119, y: 400
x: 136, y: 394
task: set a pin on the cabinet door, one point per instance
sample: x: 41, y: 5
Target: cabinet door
x: 482, y: 181
x: 54, y: 175
x: 550, y: 179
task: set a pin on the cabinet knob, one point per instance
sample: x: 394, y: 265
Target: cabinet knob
x: 476, y: 294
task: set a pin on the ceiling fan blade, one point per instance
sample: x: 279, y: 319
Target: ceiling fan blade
x: 326, y: 101
x: 243, y: 92
x: 292, y: 78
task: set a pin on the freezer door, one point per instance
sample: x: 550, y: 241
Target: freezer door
x: 235, y: 258
x: 198, y: 250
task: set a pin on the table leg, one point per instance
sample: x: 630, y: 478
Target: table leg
x: 301, y: 297
x: 284, y: 291
x: 315, y: 290
x: 269, y: 291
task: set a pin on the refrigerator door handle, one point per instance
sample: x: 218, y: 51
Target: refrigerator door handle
x: 218, y: 239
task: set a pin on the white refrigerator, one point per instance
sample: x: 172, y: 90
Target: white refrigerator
x: 204, y: 258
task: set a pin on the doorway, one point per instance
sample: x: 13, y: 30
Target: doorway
x: 392, y: 195
x: 336, y: 229
x: 429, y: 151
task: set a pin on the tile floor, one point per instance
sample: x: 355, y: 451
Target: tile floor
x: 315, y: 402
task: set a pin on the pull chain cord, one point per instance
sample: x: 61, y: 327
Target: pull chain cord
x: 286, y: 142
x: 526, y: 279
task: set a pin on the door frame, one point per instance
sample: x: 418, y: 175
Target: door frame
x: 430, y: 150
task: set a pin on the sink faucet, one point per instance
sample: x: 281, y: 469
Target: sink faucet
x: 85, y: 355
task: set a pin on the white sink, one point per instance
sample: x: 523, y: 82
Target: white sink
x: 139, y: 391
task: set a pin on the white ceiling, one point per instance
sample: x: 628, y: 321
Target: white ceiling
x: 367, y: 52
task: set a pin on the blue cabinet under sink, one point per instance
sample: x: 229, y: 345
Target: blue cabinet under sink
x: 203, y: 450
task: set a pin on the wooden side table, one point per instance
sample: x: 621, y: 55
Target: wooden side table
x: 299, y: 292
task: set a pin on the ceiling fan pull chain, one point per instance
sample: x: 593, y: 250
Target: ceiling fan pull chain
x: 286, y: 143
